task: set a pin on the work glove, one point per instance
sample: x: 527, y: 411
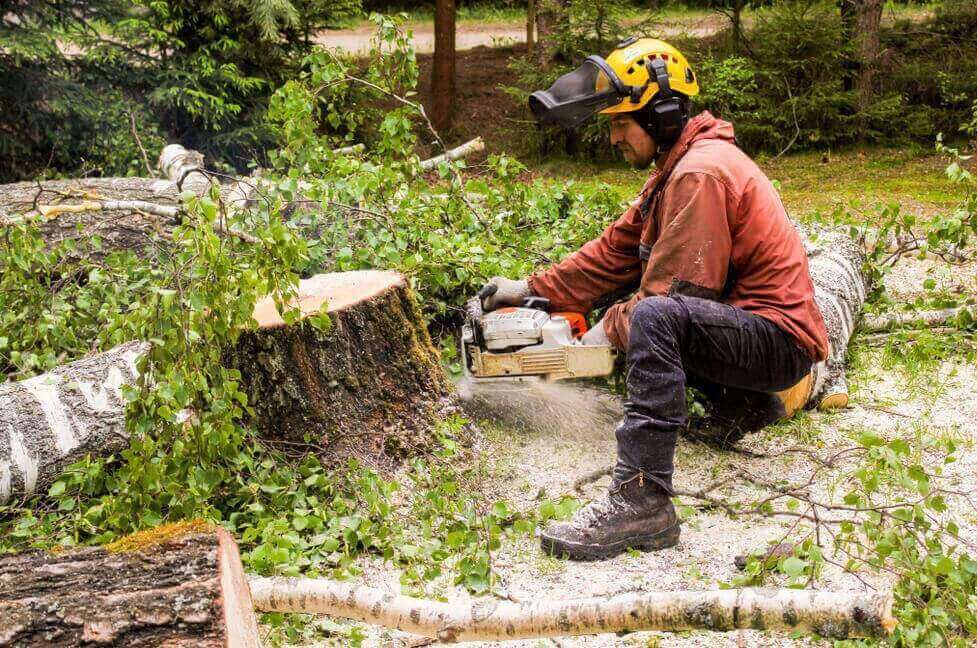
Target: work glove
x: 508, y: 292
x: 596, y: 335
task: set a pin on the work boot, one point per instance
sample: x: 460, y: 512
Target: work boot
x: 635, y: 513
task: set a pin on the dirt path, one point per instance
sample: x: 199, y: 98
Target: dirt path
x: 471, y: 35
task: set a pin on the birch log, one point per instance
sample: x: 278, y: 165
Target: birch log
x: 471, y: 147
x: 52, y: 420
x: 917, y: 319
x: 185, y: 168
x: 836, y: 263
x: 838, y: 615
x: 149, y: 590
x: 370, y: 385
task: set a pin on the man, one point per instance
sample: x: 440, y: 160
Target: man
x: 723, y: 289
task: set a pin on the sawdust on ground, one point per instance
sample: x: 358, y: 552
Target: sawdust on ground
x: 529, y: 464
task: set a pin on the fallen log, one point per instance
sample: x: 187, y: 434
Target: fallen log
x: 52, y: 420
x: 838, y: 615
x: 121, y: 227
x: 470, y: 147
x: 181, y: 585
x: 916, y: 319
x: 370, y: 385
x: 836, y: 263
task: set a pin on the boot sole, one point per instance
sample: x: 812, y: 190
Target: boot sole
x: 644, y: 542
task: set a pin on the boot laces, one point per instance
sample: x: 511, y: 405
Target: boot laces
x: 599, y: 509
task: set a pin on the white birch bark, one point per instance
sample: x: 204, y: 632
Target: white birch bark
x: 49, y: 421
x: 837, y: 615
x: 468, y: 148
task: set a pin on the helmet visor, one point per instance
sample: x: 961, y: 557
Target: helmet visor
x: 576, y: 96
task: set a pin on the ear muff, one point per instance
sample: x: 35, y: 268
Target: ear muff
x: 666, y: 114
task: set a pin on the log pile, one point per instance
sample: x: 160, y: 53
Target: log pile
x: 176, y: 586
x: 371, y: 385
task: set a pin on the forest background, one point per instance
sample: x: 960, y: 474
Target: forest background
x: 80, y: 77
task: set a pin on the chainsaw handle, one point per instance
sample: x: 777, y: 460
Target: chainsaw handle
x: 487, y: 291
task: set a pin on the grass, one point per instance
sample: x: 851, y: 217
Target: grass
x: 861, y: 180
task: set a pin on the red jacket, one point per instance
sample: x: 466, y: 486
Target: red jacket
x: 709, y: 223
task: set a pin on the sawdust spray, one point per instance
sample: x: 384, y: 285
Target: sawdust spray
x: 576, y: 409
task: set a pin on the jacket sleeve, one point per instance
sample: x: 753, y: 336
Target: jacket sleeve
x: 691, y: 255
x: 607, y: 263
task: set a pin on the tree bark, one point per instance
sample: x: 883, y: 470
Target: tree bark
x: 370, y: 385
x: 838, y: 615
x: 836, y: 263
x: 118, y: 229
x: 551, y: 16
x: 181, y: 591
x: 52, y: 420
x: 867, y: 24
x: 443, y: 67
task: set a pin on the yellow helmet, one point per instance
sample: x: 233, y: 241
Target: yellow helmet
x: 631, y: 63
x: 634, y: 73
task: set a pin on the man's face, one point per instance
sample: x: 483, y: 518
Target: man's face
x: 632, y: 140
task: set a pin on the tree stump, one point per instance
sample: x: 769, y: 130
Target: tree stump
x: 370, y: 385
x: 181, y: 585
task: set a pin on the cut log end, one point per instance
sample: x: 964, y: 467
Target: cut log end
x: 332, y: 293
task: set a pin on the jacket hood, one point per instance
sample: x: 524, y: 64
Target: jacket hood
x: 701, y: 127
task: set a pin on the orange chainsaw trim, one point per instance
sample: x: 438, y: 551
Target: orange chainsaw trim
x: 578, y: 323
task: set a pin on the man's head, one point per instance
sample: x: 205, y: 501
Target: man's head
x: 646, y: 79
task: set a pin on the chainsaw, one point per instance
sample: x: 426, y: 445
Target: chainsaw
x: 527, y: 343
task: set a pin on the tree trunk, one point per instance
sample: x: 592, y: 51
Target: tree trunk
x: 868, y: 21
x: 118, y: 229
x: 737, y: 20
x: 530, y: 26
x: 551, y: 16
x: 836, y: 263
x: 185, y: 590
x: 838, y: 615
x: 370, y: 385
x: 443, y: 67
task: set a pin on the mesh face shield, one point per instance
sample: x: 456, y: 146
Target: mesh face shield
x: 574, y: 97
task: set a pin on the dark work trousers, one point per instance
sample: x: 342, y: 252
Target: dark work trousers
x: 677, y: 339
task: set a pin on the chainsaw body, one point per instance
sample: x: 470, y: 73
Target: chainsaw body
x: 529, y: 343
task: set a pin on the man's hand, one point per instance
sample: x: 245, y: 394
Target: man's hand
x: 596, y: 335
x: 508, y: 292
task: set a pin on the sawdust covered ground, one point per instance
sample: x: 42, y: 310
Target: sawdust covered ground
x: 527, y: 465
